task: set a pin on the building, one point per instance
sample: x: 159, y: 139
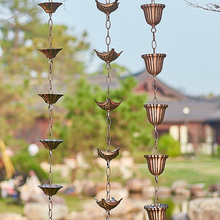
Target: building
x: 194, y: 122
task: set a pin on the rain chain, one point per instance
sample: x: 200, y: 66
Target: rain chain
x: 50, y: 144
x: 109, y: 202
x: 155, y: 111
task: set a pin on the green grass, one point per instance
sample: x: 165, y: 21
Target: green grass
x: 8, y: 206
x: 200, y: 169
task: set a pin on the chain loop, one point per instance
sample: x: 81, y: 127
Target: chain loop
x: 108, y: 38
x: 155, y: 88
x: 107, y: 215
x: 108, y: 185
x: 50, y: 37
x: 154, y: 43
x: 156, y: 187
x: 108, y: 136
x: 156, y: 136
x: 50, y: 206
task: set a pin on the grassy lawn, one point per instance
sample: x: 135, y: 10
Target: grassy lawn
x: 199, y: 169
x: 7, y: 206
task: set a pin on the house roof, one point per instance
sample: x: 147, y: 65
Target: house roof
x: 201, y: 110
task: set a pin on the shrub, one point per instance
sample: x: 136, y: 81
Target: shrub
x: 168, y: 145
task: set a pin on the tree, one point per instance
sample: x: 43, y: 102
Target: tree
x: 208, y: 6
x: 84, y: 124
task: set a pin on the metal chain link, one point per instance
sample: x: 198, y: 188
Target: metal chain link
x: 107, y: 215
x: 108, y: 38
x: 156, y: 187
x: 108, y: 136
x: 152, y: 1
x: 50, y: 206
x: 108, y: 81
x: 156, y: 151
x: 108, y: 185
x: 50, y: 110
x: 155, y: 88
x: 50, y: 76
x: 50, y: 37
x: 154, y: 42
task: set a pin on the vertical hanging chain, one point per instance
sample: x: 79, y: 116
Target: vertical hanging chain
x: 108, y: 38
x: 50, y: 25
x: 50, y: 177
x: 156, y: 188
x: 108, y: 136
x: 108, y: 119
x: 154, y: 42
x: 108, y: 185
x: 156, y: 151
x: 152, y: 1
x: 155, y: 88
x: 50, y: 110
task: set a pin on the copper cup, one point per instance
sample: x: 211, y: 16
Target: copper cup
x: 154, y: 63
x: 156, y: 211
x: 153, y: 13
x: 155, y: 113
x: 156, y: 163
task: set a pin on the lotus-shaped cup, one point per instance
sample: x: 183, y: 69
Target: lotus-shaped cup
x: 50, y: 98
x: 156, y: 163
x: 50, y: 144
x: 156, y: 211
x: 155, y: 113
x: 153, y: 13
x: 154, y: 63
x: 50, y: 7
x: 50, y: 190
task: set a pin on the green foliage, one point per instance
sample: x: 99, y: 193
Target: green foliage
x: 24, y: 163
x: 168, y: 145
x: 84, y: 125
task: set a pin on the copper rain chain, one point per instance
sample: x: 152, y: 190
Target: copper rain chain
x: 155, y: 111
x: 108, y: 105
x: 50, y: 98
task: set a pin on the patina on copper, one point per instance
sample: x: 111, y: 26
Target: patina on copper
x: 155, y: 113
x: 108, y: 105
x: 50, y: 7
x: 108, y: 57
x: 156, y: 211
x: 108, y: 155
x: 153, y: 13
x: 50, y: 190
x: 50, y: 53
x: 154, y: 63
x: 156, y: 163
x: 107, y: 8
x: 50, y: 144
x: 50, y: 98
x: 108, y: 205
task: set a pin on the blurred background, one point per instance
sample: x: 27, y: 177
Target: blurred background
x: 190, y: 134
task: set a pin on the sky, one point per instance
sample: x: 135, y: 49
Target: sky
x: 190, y: 37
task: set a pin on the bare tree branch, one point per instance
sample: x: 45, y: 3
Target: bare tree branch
x: 208, y: 7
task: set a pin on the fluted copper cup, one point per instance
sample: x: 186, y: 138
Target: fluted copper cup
x: 156, y: 211
x: 156, y: 163
x: 154, y: 63
x: 153, y: 13
x: 155, y: 113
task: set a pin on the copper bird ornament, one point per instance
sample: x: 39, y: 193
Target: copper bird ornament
x: 108, y: 57
x: 108, y: 105
x: 107, y: 8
